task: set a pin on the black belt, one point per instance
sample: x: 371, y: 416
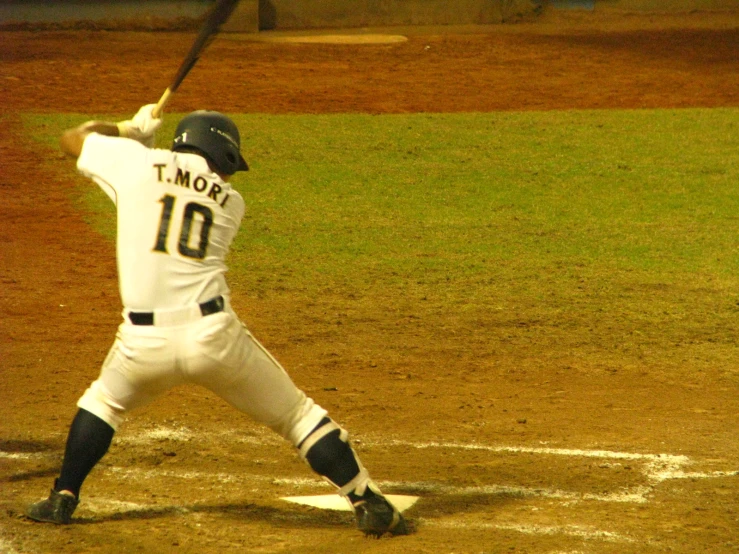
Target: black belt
x: 212, y: 306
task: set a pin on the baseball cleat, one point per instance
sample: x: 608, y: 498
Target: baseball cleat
x: 58, y: 508
x: 376, y: 516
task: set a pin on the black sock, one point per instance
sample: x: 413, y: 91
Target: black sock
x: 87, y: 442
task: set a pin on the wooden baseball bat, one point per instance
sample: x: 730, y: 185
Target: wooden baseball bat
x: 217, y: 17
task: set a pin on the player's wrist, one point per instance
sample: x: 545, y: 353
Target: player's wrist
x: 125, y: 129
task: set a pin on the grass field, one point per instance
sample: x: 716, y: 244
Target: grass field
x: 566, y: 221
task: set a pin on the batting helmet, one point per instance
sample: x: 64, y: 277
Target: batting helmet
x: 216, y: 136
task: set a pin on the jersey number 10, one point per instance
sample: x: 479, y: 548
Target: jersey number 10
x: 183, y: 246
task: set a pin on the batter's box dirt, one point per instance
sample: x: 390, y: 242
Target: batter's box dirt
x: 472, y: 488
x: 438, y: 469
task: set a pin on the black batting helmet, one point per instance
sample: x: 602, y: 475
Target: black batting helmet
x: 216, y: 136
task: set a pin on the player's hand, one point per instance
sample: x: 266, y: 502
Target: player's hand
x: 142, y: 127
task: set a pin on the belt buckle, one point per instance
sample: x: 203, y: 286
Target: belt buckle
x: 141, y: 318
x: 212, y: 306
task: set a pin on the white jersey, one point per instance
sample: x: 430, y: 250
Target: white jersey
x: 176, y: 221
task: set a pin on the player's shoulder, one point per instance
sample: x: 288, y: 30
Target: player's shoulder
x: 114, y: 147
x: 108, y: 157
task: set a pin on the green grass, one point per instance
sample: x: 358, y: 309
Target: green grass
x: 467, y: 195
x: 581, y: 215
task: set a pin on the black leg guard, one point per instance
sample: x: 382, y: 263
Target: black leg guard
x: 330, y: 456
x: 87, y: 442
x: 328, y: 452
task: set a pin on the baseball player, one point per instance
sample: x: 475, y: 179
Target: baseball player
x: 176, y: 218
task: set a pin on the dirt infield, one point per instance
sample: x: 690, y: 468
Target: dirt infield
x: 539, y: 456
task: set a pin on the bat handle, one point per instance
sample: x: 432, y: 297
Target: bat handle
x: 156, y: 112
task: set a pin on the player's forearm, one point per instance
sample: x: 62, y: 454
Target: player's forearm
x: 72, y: 140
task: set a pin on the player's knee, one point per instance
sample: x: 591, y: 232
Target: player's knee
x: 96, y: 402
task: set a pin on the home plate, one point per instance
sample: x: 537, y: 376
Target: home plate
x: 335, y: 502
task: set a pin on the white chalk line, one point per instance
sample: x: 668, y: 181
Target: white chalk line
x: 655, y: 467
x: 637, y: 495
x: 540, y: 450
x: 6, y: 547
x: 103, y: 506
x: 579, y: 531
x: 22, y: 455
x: 434, y: 488
x: 97, y: 505
x: 183, y: 434
x: 658, y: 467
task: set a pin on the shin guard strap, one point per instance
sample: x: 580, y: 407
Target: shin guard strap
x: 318, y: 434
x: 358, y: 485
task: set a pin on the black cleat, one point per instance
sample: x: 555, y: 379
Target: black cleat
x: 376, y: 516
x: 58, y: 508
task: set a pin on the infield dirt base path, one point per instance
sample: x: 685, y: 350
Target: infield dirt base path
x: 530, y: 459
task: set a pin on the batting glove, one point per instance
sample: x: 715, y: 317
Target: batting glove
x: 142, y: 127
